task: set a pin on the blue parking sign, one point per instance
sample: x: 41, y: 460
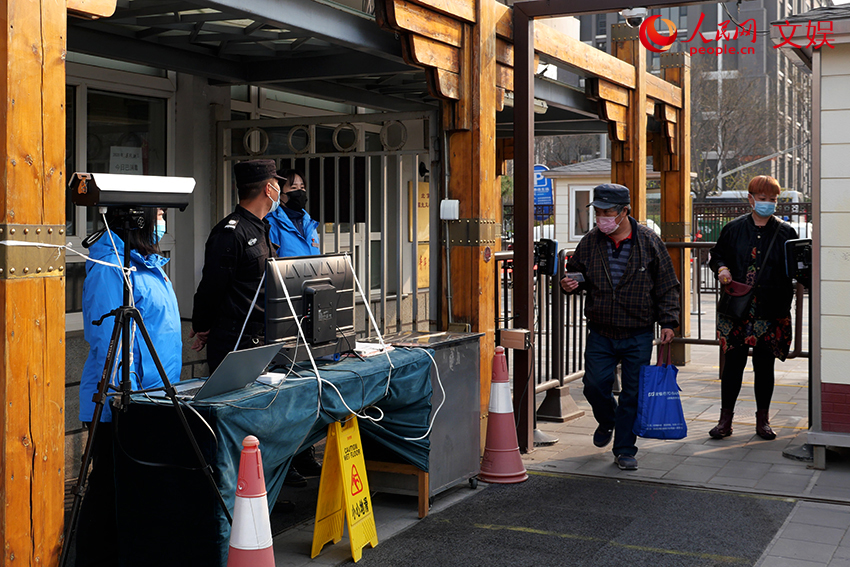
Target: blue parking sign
x: 544, y: 200
x: 542, y: 186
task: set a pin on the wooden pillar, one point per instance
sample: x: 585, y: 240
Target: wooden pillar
x: 676, y: 207
x: 628, y: 163
x: 473, y: 181
x: 523, y: 289
x: 32, y: 286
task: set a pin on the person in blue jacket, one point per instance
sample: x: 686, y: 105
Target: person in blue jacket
x: 292, y: 228
x: 293, y: 231
x: 154, y: 297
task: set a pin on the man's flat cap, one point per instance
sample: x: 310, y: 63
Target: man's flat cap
x: 609, y: 195
x: 255, y: 170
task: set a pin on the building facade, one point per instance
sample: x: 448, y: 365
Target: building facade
x: 749, y: 103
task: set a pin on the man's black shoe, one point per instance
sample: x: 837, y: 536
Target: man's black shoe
x: 306, y: 463
x: 602, y: 435
x: 294, y: 478
x: 626, y: 462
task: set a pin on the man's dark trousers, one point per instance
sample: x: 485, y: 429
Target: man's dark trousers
x: 600, y: 362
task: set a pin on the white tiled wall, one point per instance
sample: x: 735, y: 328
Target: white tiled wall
x: 836, y: 301
x: 834, y: 366
x: 835, y: 215
x: 562, y: 213
x: 835, y: 265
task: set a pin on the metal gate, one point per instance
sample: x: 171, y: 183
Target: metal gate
x: 369, y: 185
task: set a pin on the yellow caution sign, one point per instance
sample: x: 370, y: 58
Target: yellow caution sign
x: 344, y: 492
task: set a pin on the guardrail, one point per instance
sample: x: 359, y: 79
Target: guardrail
x: 560, y: 328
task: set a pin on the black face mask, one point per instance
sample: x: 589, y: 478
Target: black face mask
x: 296, y: 200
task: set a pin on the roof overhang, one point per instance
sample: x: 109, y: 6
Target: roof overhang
x: 320, y: 49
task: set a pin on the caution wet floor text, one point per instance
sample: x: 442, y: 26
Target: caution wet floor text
x: 344, y: 492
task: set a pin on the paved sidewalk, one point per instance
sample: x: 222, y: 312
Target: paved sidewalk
x: 817, y: 532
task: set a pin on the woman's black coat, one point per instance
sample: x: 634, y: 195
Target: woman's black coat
x: 775, y: 289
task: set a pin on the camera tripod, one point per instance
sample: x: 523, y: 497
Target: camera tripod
x: 124, y: 316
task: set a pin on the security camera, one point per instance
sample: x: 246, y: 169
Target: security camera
x: 634, y: 16
x: 123, y: 190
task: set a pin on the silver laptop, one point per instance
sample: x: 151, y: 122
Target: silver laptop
x: 238, y: 369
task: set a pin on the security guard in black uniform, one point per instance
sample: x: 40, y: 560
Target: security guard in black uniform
x: 234, y: 263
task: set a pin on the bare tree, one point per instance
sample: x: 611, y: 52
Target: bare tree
x: 731, y: 125
x: 555, y: 151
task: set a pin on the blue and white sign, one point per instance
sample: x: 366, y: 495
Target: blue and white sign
x: 542, y: 186
x: 543, y: 199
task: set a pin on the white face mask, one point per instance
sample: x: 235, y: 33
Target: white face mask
x: 275, y: 203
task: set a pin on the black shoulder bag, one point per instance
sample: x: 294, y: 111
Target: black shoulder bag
x: 736, y: 304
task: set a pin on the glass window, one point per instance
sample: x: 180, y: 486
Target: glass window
x: 582, y: 214
x: 601, y: 25
x: 240, y: 92
x: 125, y: 134
x: 70, y: 155
x: 75, y: 274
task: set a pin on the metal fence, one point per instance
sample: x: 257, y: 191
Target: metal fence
x: 364, y: 183
x: 710, y: 217
x: 543, y: 215
x: 560, y: 328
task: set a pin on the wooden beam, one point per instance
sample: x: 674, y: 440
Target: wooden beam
x: 91, y: 8
x: 410, y: 17
x: 571, y: 52
x: 504, y: 77
x: 613, y: 112
x: 504, y: 21
x: 460, y: 9
x: 600, y: 89
x: 676, y: 206
x: 663, y: 91
x: 430, y: 53
x: 504, y: 52
x: 628, y: 166
x: 650, y: 107
x: 446, y: 84
x: 32, y: 303
x: 473, y: 181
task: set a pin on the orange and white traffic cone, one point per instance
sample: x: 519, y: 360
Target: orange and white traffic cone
x: 251, y: 533
x: 501, y: 463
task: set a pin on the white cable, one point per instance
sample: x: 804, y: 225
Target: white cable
x: 295, y: 357
x: 250, y: 310
x: 374, y: 323
x: 66, y: 247
x: 126, y: 276
x: 351, y: 411
x: 118, y: 257
x: 301, y: 334
x: 442, y: 390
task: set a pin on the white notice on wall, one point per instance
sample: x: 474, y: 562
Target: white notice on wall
x: 125, y: 159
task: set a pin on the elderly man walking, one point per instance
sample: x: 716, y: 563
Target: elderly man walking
x: 628, y: 275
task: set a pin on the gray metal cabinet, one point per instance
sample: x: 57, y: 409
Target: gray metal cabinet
x: 455, y: 436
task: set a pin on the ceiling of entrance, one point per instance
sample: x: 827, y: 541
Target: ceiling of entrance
x: 319, y: 49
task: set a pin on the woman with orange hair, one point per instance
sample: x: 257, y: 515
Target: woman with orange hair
x: 751, y: 251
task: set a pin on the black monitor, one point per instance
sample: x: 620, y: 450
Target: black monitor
x: 321, y: 289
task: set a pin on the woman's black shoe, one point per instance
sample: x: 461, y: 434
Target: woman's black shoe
x: 294, y: 478
x: 306, y: 463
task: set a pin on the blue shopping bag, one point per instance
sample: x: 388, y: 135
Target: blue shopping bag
x: 660, y: 414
